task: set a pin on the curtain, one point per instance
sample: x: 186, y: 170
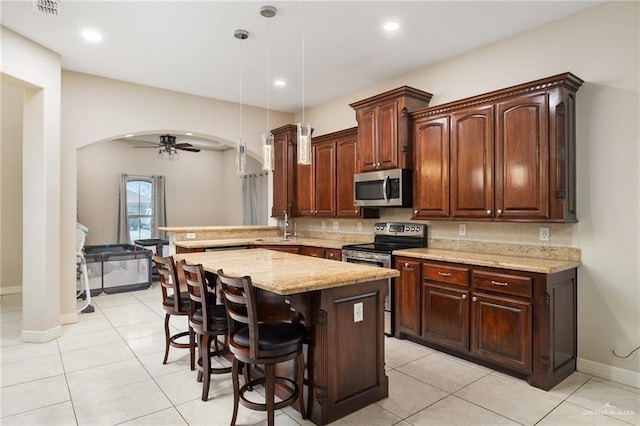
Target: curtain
x: 159, y: 206
x: 123, y: 222
x: 254, y: 199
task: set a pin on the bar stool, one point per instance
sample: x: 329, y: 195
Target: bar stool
x: 175, y: 302
x: 262, y: 343
x: 208, y: 320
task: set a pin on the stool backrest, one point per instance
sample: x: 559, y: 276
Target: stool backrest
x: 169, y: 283
x: 199, y: 296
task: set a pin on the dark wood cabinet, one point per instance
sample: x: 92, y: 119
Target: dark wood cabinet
x: 407, y: 292
x: 286, y: 249
x: 284, y: 173
x: 521, y: 322
x: 325, y: 187
x: 346, y: 167
x: 383, y: 133
x: 312, y: 251
x: 505, y: 155
x: 431, y: 167
x: 316, y: 182
x: 333, y: 254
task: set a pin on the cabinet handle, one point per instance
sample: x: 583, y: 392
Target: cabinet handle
x: 499, y: 283
x: 475, y: 299
x: 464, y: 297
x: 444, y: 274
x: 415, y: 212
x: 488, y: 212
x: 499, y: 211
x: 406, y: 265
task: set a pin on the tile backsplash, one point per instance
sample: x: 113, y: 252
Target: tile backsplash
x: 440, y: 233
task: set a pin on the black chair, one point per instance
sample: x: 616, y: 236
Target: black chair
x: 175, y: 301
x: 208, y: 320
x: 254, y: 342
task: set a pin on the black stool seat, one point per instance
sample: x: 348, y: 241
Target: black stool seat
x: 184, y: 299
x: 217, y: 314
x: 273, y: 336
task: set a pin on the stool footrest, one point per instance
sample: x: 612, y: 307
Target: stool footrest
x: 291, y: 386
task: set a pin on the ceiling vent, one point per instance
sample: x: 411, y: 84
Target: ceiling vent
x: 48, y: 7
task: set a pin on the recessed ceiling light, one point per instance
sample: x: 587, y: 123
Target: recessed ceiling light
x: 129, y: 135
x: 280, y: 83
x: 91, y: 35
x: 391, y: 26
x: 188, y: 133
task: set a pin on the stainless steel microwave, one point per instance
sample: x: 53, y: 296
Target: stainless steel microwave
x: 384, y: 188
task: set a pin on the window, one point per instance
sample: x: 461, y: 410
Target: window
x: 140, y: 208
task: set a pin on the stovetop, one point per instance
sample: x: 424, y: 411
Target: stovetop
x: 390, y: 236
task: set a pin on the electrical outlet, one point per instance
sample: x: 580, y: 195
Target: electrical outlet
x: 358, y: 314
x: 544, y: 233
x: 462, y: 230
x: 336, y: 225
x: 323, y: 224
x: 359, y: 226
x: 191, y: 235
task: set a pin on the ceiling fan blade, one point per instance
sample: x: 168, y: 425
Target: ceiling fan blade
x: 185, y: 148
x: 156, y: 147
x: 183, y: 145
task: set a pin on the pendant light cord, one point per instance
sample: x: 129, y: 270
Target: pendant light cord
x: 268, y: 68
x: 303, y: 49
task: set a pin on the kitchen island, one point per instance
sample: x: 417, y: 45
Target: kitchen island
x: 342, y: 304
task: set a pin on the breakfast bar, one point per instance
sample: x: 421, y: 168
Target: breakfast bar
x: 342, y: 304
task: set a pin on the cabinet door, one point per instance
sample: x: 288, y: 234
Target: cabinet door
x: 346, y: 166
x: 445, y: 315
x: 324, y: 178
x: 407, y: 303
x: 285, y: 249
x: 304, y: 190
x: 367, y: 139
x: 283, y: 171
x: 522, y: 158
x: 431, y: 162
x: 472, y: 163
x: 501, y: 330
x: 387, y: 144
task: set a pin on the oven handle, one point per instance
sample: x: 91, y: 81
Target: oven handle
x: 384, y: 189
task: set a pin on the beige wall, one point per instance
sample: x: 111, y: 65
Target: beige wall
x: 601, y: 46
x: 11, y: 188
x: 200, y: 188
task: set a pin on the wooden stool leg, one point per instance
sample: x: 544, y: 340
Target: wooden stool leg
x: 199, y: 341
x: 167, y: 338
x: 300, y: 365
x: 236, y: 389
x: 206, y: 366
x: 270, y: 385
x: 192, y: 349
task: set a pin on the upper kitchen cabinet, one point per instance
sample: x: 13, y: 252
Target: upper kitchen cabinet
x: 284, y: 143
x: 325, y: 187
x: 505, y: 155
x: 383, y: 135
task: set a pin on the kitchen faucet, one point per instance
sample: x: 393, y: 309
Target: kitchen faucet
x: 287, y: 234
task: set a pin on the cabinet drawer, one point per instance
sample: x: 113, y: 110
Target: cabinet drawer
x: 516, y: 285
x: 445, y: 274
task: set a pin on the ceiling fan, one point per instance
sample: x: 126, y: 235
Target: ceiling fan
x: 168, y: 144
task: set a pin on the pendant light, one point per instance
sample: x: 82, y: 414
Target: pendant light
x: 241, y: 159
x: 304, y: 130
x: 267, y: 137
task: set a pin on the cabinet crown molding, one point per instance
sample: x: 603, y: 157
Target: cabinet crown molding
x: 566, y: 80
x: 393, y: 94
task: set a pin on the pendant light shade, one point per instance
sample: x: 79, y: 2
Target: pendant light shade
x: 241, y: 158
x: 304, y: 144
x: 267, y: 151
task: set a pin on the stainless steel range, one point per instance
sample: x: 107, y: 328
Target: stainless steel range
x: 388, y: 236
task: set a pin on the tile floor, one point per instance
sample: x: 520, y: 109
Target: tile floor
x: 107, y: 370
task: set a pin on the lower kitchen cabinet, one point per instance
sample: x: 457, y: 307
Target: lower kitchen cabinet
x: 520, y: 322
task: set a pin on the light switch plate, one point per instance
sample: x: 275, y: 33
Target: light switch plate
x: 336, y: 225
x: 462, y: 230
x: 191, y: 235
x: 544, y: 233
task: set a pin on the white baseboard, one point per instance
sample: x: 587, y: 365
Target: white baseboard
x: 32, y: 336
x: 16, y: 289
x: 615, y: 374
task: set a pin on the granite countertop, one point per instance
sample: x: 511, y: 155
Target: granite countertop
x: 529, y: 264
x: 217, y: 228
x: 286, y: 273
x: 263, y: 241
